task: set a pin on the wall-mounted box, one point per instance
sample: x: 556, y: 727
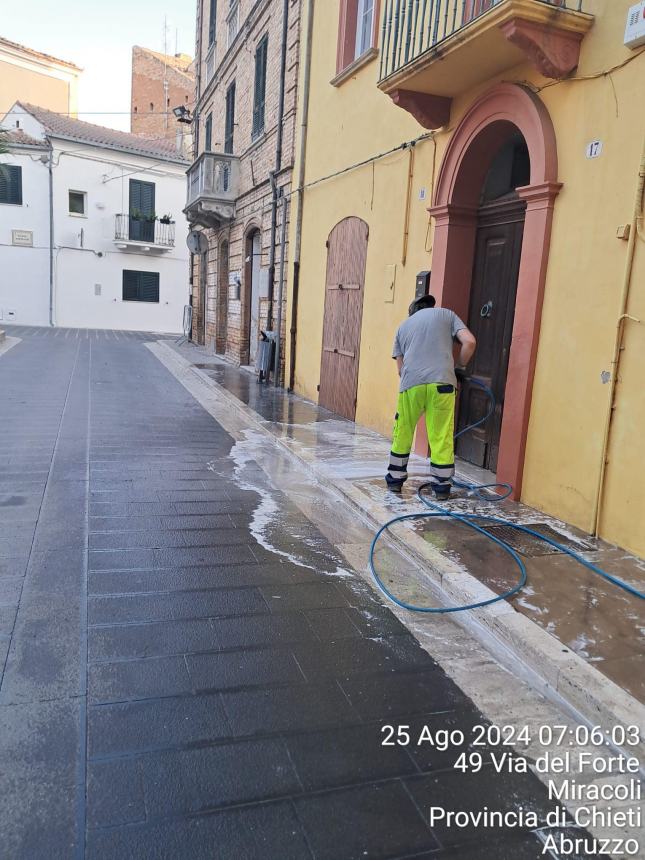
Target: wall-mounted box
x: 635, y: 29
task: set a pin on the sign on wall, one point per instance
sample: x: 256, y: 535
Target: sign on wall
x: 25, y: 238
x: 235, y: 281
x: 594, y: 149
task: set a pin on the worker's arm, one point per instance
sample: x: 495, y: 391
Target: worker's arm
x: 468, y: 344
x: 399, y: 363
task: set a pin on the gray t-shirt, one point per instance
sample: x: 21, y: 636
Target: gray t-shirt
x: 425, y: 341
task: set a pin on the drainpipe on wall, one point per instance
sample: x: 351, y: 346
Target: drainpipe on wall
x: 274, y: 222
x: 278, y: 158
x: 198, y: 82
x: 306, y: 86
x: 50, y: 169
x: 278, y: 328
x: 618, y: 343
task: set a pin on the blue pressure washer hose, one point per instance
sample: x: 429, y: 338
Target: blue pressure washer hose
x: 467, y: 520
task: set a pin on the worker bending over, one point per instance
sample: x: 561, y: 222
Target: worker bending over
x: 423, y: 349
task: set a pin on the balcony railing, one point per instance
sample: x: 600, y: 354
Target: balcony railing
x: 412, y: 27
x: 213, y: 185
x: 129, y: 229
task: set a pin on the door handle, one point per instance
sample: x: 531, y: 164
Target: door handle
x: 486, y: 310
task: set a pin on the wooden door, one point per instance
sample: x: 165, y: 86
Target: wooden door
x: 203, y: 297
x: 344, y: 289
x: 222, y: 299
x: 490, y: 318
x: 254, y: 319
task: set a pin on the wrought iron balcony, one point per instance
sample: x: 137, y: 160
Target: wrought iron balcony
x: 213, y: 185
x: 132, y: 232
x: 441, y: 48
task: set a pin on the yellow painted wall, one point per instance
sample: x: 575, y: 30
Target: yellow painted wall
x: 355, y: 121
x: 20, y: 84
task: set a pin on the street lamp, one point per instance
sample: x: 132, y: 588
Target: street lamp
x: 182, y: 114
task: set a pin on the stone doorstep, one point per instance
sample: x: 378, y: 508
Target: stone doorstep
x: 564, y: 678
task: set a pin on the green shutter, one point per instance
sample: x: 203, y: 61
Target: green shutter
x: 142, y: 196
x: 148, y: 286
x: 140, y: 286
x: 212, y: 22
x: 11, y: 184
x: 208, y: 133
x: 142, y: 203
x: 130, y: 286
x: 230, y: 119
x: 259, y: 93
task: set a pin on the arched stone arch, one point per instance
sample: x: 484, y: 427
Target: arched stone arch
x: 502, y: 110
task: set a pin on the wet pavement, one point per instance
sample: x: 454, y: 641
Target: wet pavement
x: 602, y: 624
x: 190, y: 666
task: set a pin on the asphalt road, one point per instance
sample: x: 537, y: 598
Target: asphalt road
x: 170, y: 686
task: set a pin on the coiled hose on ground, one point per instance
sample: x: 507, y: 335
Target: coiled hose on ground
x: 439, y: 510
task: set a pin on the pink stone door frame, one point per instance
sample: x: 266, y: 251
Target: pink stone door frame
x: 504, y: 109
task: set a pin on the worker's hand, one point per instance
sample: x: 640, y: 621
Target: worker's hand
x: 460, y: 373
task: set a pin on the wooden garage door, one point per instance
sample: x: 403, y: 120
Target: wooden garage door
x: 344, y: 289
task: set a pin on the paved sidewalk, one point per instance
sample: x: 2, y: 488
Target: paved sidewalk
x: 176, y: 684
x: 596, y: 632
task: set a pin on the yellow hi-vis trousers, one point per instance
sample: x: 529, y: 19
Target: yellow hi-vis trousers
x: 437, y: 401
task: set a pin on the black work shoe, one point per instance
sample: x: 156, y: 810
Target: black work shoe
x: 442, y: 495
x: 393, y: 484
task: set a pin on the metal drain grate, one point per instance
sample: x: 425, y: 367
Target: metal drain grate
x: 532, y: 546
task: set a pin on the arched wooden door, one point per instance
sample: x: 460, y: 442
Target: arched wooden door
x: 344, y: 290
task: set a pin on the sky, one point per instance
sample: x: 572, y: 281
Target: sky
x: 98, y: 36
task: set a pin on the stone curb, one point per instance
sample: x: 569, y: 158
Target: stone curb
x: 6, y: 342
x: 566, y: 677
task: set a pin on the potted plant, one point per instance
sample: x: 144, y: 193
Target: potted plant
x: 166, y: 219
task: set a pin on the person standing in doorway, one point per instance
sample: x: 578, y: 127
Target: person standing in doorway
x: 423, y: 349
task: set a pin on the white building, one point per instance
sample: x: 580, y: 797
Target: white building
x: 92, y: 233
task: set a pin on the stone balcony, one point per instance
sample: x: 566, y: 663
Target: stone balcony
x: 434, y: 50
x: 213, y: 185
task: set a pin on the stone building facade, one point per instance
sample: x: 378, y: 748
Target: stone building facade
x: 242, y: 49
x: 160, y: 82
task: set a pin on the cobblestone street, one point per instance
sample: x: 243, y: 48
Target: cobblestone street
x: 173, y: 684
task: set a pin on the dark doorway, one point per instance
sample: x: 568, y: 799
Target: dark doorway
x: 491, y: 313
x: 344, y: 288
x: 222, y: 299
x: 252, y: 261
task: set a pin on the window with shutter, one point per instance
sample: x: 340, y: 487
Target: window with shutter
x: 142, y: 211
x: 140, y: 286
x: 208, y: 133
x: 230, y: 119
x: 212, y: 22
x: 233, y: 22
x: 259, y: 94
x: 11, y: 184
